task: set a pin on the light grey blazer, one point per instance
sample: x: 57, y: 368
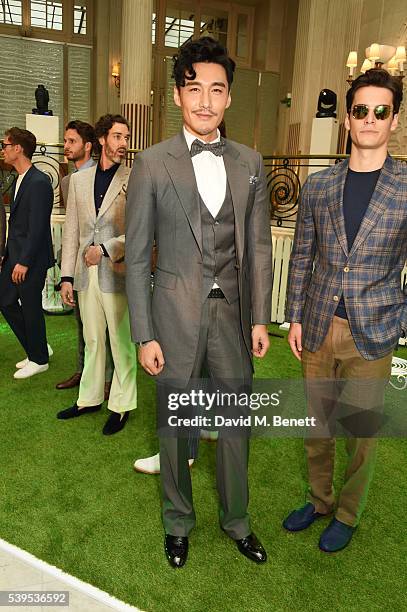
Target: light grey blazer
x: 82, y: 228
x: 163, y: 202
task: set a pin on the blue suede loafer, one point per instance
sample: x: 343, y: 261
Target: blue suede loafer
x: 336, y: 536
x: 302, y: 518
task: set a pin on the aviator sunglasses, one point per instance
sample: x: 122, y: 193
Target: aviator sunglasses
x: 361, y: 111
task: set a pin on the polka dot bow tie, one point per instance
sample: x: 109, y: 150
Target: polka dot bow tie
x: 215, y: 147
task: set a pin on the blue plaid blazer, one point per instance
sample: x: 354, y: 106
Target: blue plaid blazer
x: 368, y: 276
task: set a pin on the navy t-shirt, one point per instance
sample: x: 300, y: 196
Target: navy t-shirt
x: 357, y: 193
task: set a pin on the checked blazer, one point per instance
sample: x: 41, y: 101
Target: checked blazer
x: 368, y: 276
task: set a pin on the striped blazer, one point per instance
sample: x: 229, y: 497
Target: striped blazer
x: 368, y: 276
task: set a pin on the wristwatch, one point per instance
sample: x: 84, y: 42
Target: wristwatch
x: 144, y: 342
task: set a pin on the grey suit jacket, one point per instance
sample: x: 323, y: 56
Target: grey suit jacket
x: 163, y: 202
x: 82, y: 228
x: 3, y: 226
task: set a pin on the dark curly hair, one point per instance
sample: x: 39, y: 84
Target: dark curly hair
x: 204, y: 49
x: 106, y: 122
x: 378, y: 77
x: 85, y: 131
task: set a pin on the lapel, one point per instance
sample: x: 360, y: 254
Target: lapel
x: 237, y: 173
x: 378, y: 203
x: 114, y: 189
x: 87, y: 189
x: 179, y: 166
x: 22, y: 188
x: 335, y: 202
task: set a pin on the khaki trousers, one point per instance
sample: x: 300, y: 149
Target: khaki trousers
x: 338, y: 358
x: 98, y: 310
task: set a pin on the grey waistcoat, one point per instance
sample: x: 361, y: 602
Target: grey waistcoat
x: 218, y: 246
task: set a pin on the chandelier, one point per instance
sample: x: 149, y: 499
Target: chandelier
x: 391, y: 58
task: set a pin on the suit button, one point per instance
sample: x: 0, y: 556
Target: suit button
x: 96, y: 231
x: 346, y: 269
x: 336, y: 299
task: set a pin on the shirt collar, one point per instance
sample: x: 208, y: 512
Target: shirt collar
x: 108, y: 171
x: 88, y: 164
x: 190, y: 138
x: 21, y: 176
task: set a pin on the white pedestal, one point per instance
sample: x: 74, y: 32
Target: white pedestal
x: 44, y: 127
x: 324, y: 139
x: 47, y: 158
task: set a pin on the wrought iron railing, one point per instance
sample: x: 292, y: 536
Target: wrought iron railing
x: 285, y: 177
x: 50, y: 159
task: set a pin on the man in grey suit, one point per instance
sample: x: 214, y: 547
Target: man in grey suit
x: 204, y: 200
x: 79, y: 142
x: 93, y: 265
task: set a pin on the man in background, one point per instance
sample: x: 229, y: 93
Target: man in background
x: 79, y: 142
x: 28, y: 253
x: 93, y: 265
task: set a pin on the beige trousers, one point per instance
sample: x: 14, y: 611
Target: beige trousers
x: 338, y: 358
x: 98, y: 310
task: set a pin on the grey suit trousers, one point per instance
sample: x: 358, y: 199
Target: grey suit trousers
x: 223, y: 354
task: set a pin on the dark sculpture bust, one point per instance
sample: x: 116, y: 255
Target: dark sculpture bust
x: 327, y: 103
x: 42, y: 99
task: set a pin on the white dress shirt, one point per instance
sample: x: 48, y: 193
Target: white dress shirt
x: 210, y: 175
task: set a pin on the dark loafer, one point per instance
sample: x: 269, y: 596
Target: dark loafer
x: 115, y: 423
x: 176, y: 550
x: 75, y: 411
x: 336, y: 536
x: 252, y: 548
x: 302, y: 518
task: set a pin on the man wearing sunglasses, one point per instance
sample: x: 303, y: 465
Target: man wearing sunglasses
x: 345, y: 303
x: 28, y: 253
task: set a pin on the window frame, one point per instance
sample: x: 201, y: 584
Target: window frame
x: 66, y: 35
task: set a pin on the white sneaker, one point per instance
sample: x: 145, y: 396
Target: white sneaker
x: 24, y: 362
x: 30, y: 369
x: 151, y: 465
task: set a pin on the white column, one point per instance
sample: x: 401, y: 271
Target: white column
x: 136, y: 66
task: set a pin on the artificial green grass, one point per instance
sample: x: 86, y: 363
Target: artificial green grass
x: 69, y: 495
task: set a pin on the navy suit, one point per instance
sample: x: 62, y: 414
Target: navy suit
x: 29, y: 243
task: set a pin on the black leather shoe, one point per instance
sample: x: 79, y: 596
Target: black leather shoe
x: 176, y: 550
x: 302, y: 518
x: 115, y: 422
x: 336, y: 536
x: 251, y: 548
x: 75, y: 411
